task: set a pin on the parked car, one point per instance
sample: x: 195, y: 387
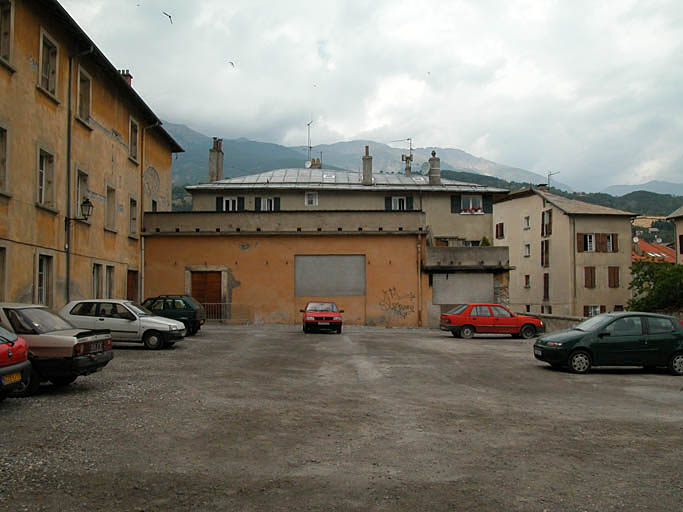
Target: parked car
x: 58, y: 351
x: 126, y: 320
x: 14, y: 364
x: 322, y: 316
x: 183, y: 308
x: 616, y: 339
x: 465, y: 320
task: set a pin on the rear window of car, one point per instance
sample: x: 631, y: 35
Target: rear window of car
x: 7, y: 336
x: 659, y: 325
x: 84, y: 309
x: 457, y: 309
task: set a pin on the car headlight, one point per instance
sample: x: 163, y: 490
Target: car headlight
x: 338, y: 318
x: 310, y: 318
x: 554, y: 344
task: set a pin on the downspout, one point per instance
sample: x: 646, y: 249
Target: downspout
x: 574, y: 249
x: 419, y: 280
x: 143, y: 147
x: 67, y: 227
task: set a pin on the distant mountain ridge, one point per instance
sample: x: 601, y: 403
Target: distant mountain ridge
x: 658, y: 187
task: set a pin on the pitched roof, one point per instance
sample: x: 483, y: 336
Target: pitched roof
x: 643, y: 250
x: 568, y: 206
x: 677, y: 214
x: 317, y: 179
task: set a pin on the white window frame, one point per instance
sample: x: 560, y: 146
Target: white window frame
x: 133, y: 156
x: 527, y: 282
x: 45, y: 278
x: 593, y: 310
x: 610, y: 242
x: 45, y: 178
x: 230, y: 204
x: 97, y: 283
x: 45, y: 36
x: 468, y: 204
x: 132, y: 216
x: 79, y: 115
x: 526, y: 222
x: 399, y: 203
x: 109, y: 216
x: 8, y: 18
x: 311, y: 199
x: 589, y: 242
x: 80, y: 194
x: 527, y: 250
x: 268, y: 204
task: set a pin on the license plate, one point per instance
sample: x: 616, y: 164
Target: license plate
x: 11, y: 378
x: 323, y: 323
x: 538, y: 352
x: 96, y: 346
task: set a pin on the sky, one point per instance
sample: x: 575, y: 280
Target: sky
x: 592, y: 90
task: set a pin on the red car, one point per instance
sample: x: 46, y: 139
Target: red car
x: 467, y: 319
x: 322, y: 316
x: 14, y: 364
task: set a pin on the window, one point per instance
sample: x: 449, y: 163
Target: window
x: 627, y: 326
x: 585, y: 242
x: 589, y: 277
x: 659, y: 325
x: 613, y: 277
x: 44, y: 285
x: 526, y: 222
x: 500, y: 230
x: 5, y: 29
x: 527, y: 281
x: 110, y: 209
x: 3, y: 159
x: 528, y: 308
x: 84, y: 94
x: 481, y: 311
x: 527, y: 250
x: 500, y: 312
x: 229, y: 204
x: 546, y: 286
x: 311, y: 199
x: 97, y: 281
x: 618, y: 307
x: 48, y: 64
x: 154, y: 205
x: 84, y: 309
x: 82, y: 190
x: 680, y: 244
x: 547, y: 223
x: 267, y: 204
x: 471, y: 243
x: 133, y: 217
x: 547, y: 310
x: 471, y: 204
x: 109, y: 282
x: 545, y: 253
x: 590, y: 311
x: 133, y: 139
x: 46, y: 170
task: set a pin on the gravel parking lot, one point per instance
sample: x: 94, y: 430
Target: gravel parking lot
x: 267, y: 418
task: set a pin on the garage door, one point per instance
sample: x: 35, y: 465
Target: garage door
x: 329, y: 276
x: 461, y: 288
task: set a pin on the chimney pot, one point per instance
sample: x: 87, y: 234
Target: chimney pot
x: 434, y: 169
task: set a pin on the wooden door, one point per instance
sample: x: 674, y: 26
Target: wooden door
x: 132, y: 286
x: 206, y: 288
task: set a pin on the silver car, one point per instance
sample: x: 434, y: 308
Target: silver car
x: 126, y: 320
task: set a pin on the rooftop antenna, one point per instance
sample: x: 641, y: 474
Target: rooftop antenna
x: 408, y: 159
x: 550, y: 173
x: 309, y: 138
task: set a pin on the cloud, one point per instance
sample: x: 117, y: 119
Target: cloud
x: 590, y: 89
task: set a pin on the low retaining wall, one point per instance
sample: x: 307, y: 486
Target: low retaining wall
x: 556, y: 322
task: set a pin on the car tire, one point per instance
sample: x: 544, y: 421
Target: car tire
x: 454, y: 332
x: 62, y: 381
x: 28, y: 389
x: 467, y: 332
x: 153, y: 340
x: 188, y: 329
x: 676, y: 364
x: 527, y: 331
x: 579, y: 362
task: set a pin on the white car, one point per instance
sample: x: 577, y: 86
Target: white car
x: 126, y: 320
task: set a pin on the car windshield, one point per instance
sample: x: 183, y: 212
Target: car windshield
x: 36, y: 320
x: 592, y: 323
x: 457, y: 309
x: 328, y: 307
x: 7, y: 336
x: 138, y: 309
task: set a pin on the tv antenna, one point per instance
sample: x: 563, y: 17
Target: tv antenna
x: 309, y: 138
x: 550, y: 173
x: 408, y: 159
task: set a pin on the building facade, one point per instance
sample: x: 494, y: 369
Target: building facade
x: 569, y: 257
x: 72, y: 131
x: 677, y: 218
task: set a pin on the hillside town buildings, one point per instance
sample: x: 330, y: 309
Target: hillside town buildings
x: 81, y: 157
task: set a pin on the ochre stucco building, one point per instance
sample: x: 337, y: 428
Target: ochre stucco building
x: 72, y: 127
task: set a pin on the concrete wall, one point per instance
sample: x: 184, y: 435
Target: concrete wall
x: 34, y: 120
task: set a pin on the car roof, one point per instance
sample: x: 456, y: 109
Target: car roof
x: 18, y: 305
x: 619, y: 314
x: 120, y: 301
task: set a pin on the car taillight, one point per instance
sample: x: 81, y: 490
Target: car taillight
x: 107, y: 344
x: 79, y: 349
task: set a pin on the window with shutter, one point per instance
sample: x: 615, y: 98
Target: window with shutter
x: 613, y: 277
x: 257, y: 204
x: 589, y: 277
x: 579, y: 243
x: 546, y: 286
x: 387, y: 203
x: 455, y: 203
x: 219, y: 203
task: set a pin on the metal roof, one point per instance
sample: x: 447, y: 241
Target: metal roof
x: 317, y: 179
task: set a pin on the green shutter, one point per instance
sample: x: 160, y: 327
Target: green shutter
x: 240, y: 204
x: 456, y: 203
x: 409, y: 203
x: 387, y: 203
x: 276, y: 205
x: 488, y: 203
x: 219, y: 204
x: 257, y: 204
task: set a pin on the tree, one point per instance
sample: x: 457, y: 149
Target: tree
x: 485, y: 242
x: 657, y: 286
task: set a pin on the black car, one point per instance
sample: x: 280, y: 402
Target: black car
x: 183, y: 308
x: 616, y: 339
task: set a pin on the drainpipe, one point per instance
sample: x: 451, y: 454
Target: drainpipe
x: 67, y: 244
x: 419, y: 280
x: 574, y: 249
x: 143, y: 146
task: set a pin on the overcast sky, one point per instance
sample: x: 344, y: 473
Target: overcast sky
x: 591, y: 89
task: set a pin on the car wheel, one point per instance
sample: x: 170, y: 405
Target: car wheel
x: 153, y: 340
x: 676, y: 364
x: 579, y: 362
x: 188, y: 329
x: 454, y: 332
x: 27, y: 388
x: 466, y: 331
x: 62, y: 381
x: 528, y: 331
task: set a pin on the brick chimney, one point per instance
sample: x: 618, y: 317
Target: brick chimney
x: 434, y: 170
x: 125, y: 73
x: 367, y: 167
x: 216, y: 160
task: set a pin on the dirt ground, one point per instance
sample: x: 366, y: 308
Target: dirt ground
x: 267, y: 418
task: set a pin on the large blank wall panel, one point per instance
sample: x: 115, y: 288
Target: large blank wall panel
x: 461, y: 288
x: 329, y: 276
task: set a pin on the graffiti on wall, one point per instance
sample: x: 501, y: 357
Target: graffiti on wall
x: 398, y: 304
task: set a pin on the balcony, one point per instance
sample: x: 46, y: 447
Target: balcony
x: 459, y: 259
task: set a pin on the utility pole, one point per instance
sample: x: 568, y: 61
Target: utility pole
x: 408, y: 159
x: 309, y: 139
x: 550, y: 173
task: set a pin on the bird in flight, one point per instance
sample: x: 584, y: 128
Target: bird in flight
x: 232, y: 64
x: 169, y: 16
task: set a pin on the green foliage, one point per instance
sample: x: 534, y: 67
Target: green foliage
x: 485, y: 242
x: 656, y: 286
